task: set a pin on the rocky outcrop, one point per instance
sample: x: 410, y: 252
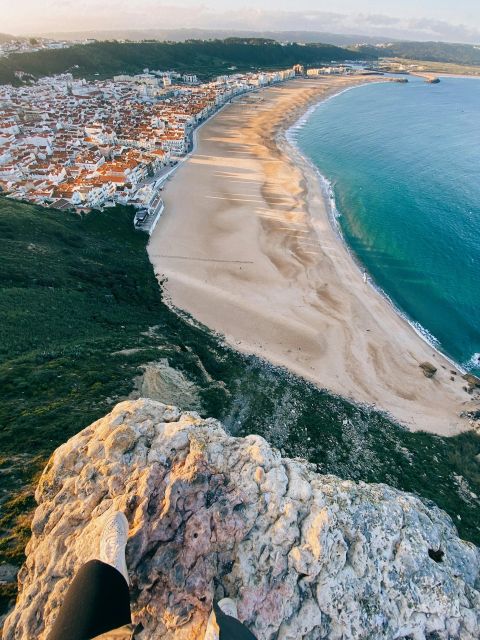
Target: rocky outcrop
x: 162, y: 382
x: 472, y: 381
x: 428, y: 369
x: 306, y: 556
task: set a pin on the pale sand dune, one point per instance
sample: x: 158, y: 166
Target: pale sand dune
x: 248, y: 249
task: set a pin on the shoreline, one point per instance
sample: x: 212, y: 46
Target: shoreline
x: 333, y: 213
x: 282, y: 292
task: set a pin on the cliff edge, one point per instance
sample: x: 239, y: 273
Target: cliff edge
x: 306, y: 556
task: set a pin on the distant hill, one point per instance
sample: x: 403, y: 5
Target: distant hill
x: 5, y: 37
x: 464, y: 54
x: 205, y: 58
x: 181, y: 35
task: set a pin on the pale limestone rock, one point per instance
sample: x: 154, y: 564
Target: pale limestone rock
x: 306, y: 556
x: 162, y: 382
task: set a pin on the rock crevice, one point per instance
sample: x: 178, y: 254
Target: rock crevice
x: 307, y: 556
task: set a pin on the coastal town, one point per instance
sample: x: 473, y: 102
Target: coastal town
x: 75, y: 144
x: 30, y: 45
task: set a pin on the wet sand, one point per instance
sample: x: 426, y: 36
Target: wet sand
x: 248, y: 249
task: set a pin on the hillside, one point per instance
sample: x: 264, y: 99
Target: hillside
x: 180, y: 35
x: 205, y: 58
x: 463, y: 54
x: 5, y: 37
x: 81, y: 316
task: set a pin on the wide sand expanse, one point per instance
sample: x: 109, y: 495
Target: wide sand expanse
x: 248, y: 249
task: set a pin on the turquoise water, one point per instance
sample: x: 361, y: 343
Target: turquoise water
x: 404, y: 165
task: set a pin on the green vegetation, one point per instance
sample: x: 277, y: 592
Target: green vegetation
x: 75, y: 291
x: 205, y: 58
x: 462, y: 54
x: 208, y: 58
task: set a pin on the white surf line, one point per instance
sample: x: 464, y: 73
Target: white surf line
x: 333, y: 214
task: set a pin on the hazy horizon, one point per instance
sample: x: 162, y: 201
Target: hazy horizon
x: 433, y: 20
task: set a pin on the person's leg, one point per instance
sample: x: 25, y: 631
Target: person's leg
x: 98, y: 599
x: 224, y: 625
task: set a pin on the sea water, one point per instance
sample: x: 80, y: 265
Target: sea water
x: 403, y: 164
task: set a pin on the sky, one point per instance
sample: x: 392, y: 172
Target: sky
x: 454, y: 20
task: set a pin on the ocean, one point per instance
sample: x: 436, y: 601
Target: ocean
x: 403, y: 166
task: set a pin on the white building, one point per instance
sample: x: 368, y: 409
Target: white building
x: 190, y: 78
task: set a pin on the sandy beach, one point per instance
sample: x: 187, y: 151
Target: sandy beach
x: 248, y: 249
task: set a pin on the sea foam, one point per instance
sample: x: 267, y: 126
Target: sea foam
x: 328, y: 191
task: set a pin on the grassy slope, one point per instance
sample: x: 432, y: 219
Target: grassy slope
x: 74, y: 290
x: 206, y: 58
x: 461, y: 54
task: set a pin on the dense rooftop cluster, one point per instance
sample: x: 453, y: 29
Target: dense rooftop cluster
x: 70, y: 143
